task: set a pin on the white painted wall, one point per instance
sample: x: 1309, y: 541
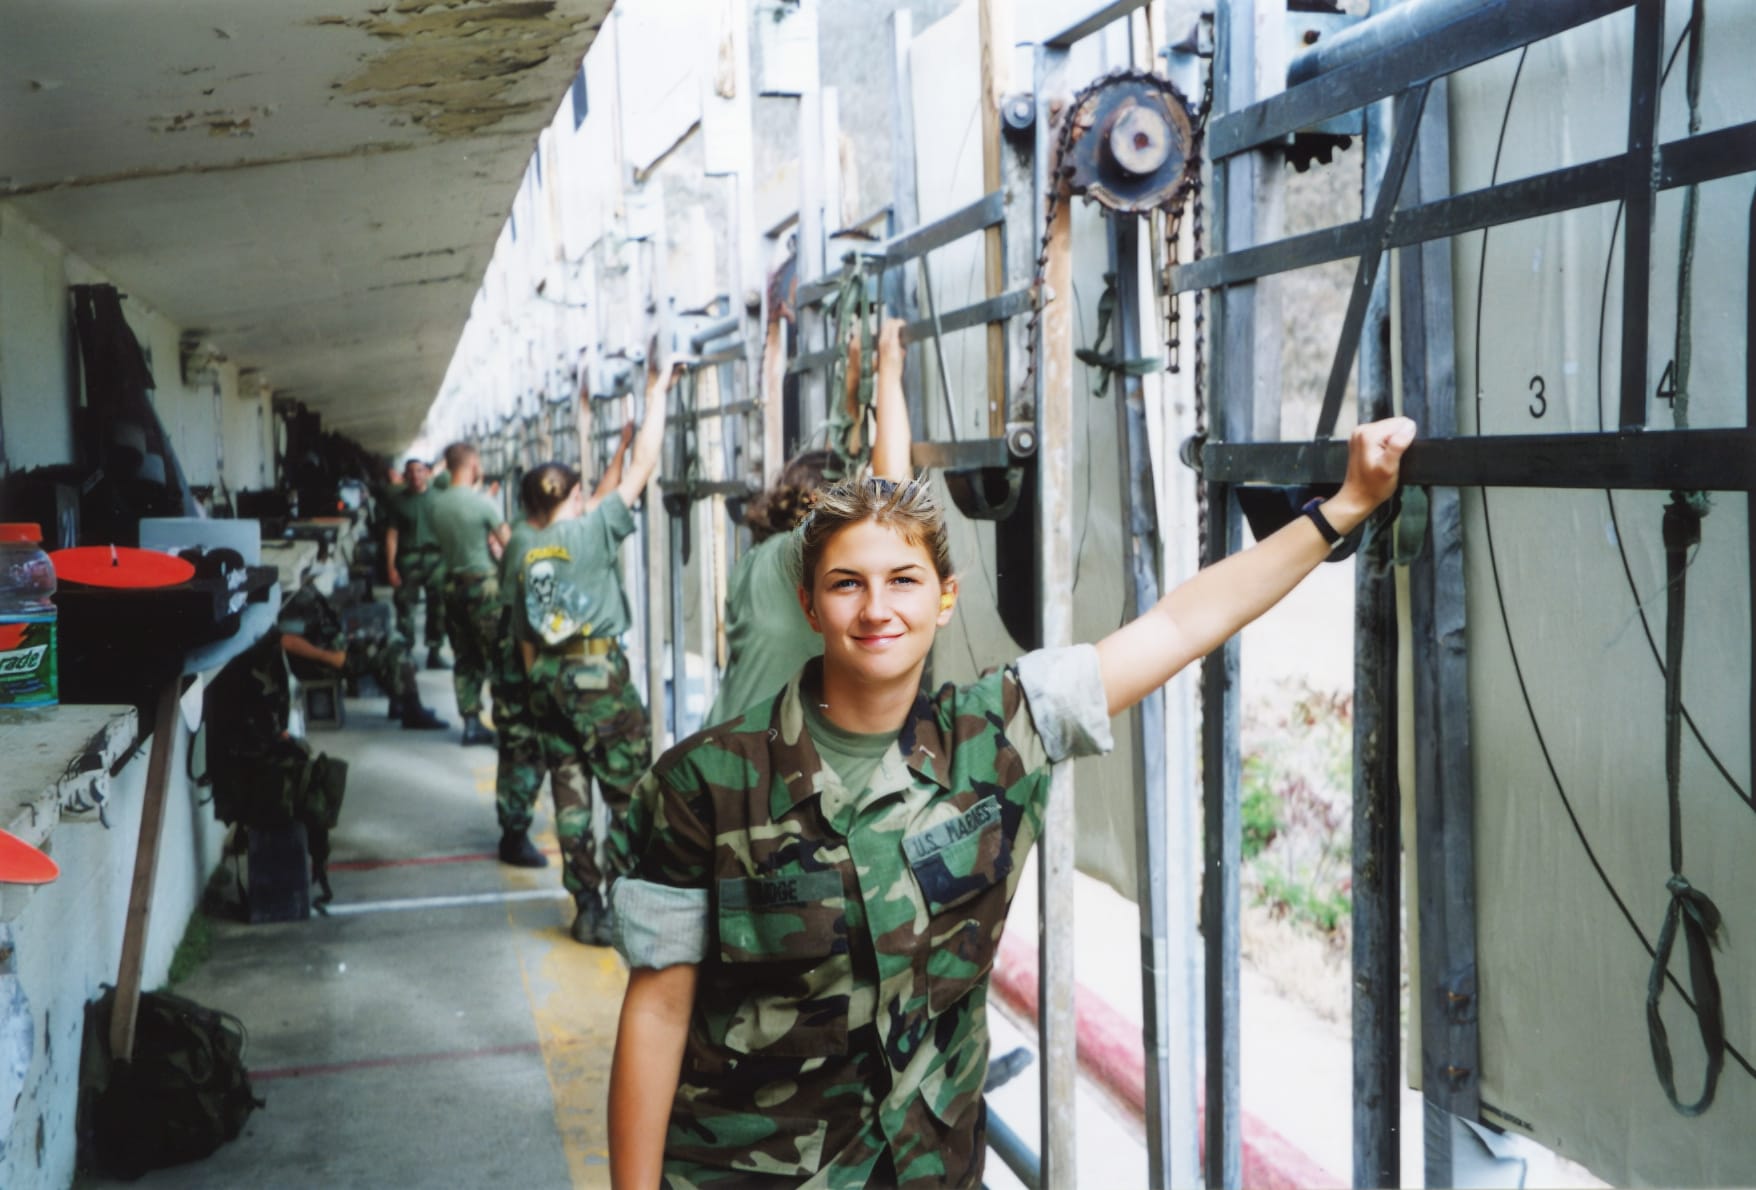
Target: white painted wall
x: 68, y: 942
x: 35, y: 346
x: 218, y: 418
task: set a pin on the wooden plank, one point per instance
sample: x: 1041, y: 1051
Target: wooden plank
x: 146, y: 866
x: 1057, y: 1035
x: 996, y: 46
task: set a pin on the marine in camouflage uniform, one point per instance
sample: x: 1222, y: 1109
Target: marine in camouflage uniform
x: 383, y: 658
x: 519, y: 771
x: 463, y: 520
x: 845, y: 938
x: 416, y: 558
x: 589, y: 718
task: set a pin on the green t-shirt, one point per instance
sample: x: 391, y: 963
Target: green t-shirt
x: 570, y: 575
x: 768, y: 638
x: 851, y: 755
x: 462, y: 518
x: 412, y: 517
x: 511, y: 564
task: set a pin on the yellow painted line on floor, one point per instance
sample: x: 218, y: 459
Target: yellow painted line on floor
x: 575, y: 996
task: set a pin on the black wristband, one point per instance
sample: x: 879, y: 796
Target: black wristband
x: 1314, y: 510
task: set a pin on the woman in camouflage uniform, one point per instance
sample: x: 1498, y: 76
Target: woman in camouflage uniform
x: 519, y: 774
x: 813, y: 916
x: 569, y: 612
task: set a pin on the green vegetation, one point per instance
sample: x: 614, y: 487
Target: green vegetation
x: 192, y: 951
x: 1297, y: 809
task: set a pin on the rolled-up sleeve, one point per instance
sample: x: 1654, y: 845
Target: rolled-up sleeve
x: 1064, y: 689
x: 661, y: 909
x: 657, y: 925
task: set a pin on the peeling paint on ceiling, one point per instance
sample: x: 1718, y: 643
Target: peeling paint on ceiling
x: 480, y: 49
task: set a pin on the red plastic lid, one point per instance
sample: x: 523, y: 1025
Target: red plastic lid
x: 20, y: 863
x: 119, y: 566
x: 20, y: 531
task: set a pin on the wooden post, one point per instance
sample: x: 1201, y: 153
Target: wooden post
x: 146, y: 868
x: 1055, y: 443
x: 995, y: 16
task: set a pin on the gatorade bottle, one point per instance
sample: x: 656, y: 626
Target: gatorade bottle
x: 27, y: 620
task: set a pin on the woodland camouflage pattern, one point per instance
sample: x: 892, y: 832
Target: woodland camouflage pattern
x: 472, y: 617
x: 518, y: 776
x: 840, y: 1025
x: 589, y: 723
x: 421, y: 571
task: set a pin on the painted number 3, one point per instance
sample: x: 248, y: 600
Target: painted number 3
x: 1539, y: 401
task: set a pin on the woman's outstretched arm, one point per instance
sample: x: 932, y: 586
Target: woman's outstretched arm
x: 891, y: 436
x: 644, y: 1072
x: 1200, y: 615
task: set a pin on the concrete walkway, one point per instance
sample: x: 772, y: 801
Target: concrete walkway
x: 439, y: 1027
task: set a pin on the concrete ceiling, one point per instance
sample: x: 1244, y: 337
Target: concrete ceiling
x: 314, y: 185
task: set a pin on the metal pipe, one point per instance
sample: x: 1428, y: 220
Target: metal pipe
x: 1141, y: 568
x: 679, y: 649
x: 1391, y: 29
x: 728, y: 325
x: 1019, y: 1157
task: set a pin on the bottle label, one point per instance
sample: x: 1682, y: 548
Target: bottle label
x: 27, y: 661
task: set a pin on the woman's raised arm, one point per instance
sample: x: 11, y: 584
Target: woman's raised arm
x: 1200, y: 615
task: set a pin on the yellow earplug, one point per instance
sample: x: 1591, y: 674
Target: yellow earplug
x: 946, y: 602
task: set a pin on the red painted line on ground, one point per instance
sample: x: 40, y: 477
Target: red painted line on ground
x: 495, y: 1051
x: 470, y: 857
x: 1111, y: 1051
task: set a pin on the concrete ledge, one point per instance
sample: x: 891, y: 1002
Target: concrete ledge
x: 64, y: 940
x: 57, y: 767
x: 1112, y: 1052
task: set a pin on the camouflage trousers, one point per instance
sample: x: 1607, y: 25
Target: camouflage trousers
x: 422, y: 574
x: 590, y: 722
x: 384, y: 660
x: 472, y: 617
x: 519, y: 774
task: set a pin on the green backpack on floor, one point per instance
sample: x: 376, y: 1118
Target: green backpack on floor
x: 185, y: 1093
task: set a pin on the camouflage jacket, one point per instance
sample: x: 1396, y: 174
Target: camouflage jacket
x: 845, y: 938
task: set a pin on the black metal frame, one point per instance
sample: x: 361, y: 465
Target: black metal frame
x: 1411, y: 66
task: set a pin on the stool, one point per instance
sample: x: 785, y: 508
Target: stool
x: 324, y: 706
x: 279, y: 874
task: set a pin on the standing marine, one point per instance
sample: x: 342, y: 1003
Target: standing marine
x: 412, y: 559
x: 574, y: 611
x: 471, y: 533
x: 518, y: 777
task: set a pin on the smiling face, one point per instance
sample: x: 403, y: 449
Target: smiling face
x: 877, y: 601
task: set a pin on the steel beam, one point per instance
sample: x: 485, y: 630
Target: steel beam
x: 997, y: 309
x: 1683, y: 162
x: 1444, y: 978
x: 1234, y: 330
x: 1391, y: 165
x: 1638, y: 203
x: 1482, y: 32
x: 1659, y: 460
x: 1091, y: 22
x: 1377, y: 796
x: 1141, y: 569
x: 986, y: 211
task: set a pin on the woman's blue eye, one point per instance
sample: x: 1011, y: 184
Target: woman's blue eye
x: 903, y: 578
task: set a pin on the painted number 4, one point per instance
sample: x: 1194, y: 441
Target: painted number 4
x: 1667, y: 384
